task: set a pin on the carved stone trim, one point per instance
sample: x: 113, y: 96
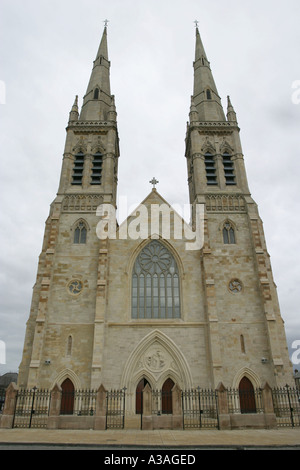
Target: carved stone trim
x: 81, y: 202
x: 225, y: 203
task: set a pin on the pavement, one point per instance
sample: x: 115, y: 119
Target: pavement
x: 282, y: 438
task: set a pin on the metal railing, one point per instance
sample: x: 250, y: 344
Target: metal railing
x: 200, y: 408
x: 245, y: 401
x: 78, y: 402
x: 286, y: 404
x: 32, y: 408
x: 115, y: 409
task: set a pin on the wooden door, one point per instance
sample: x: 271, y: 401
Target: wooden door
x: 247, y: 396
x: 139, y: 396
x: 166, y: 400
x: 67, y: 398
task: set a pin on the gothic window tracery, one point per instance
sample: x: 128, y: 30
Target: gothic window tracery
x: 228, y: 234
x: 155, y: 284
x: 80, y: 233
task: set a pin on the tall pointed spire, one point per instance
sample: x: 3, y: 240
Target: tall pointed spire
x: 206, y: 97
x: 200, y: 52
x: 97, y: 100
x: 103, y: 49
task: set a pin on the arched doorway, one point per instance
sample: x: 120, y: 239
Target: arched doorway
x: 67, y: 397
x: 139, y: 395
x: 166, y: 399
x: 247, y: 396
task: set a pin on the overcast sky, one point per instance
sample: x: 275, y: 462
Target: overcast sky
x: 47, y: 51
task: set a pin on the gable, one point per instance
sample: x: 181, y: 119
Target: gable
x: 155, y: 218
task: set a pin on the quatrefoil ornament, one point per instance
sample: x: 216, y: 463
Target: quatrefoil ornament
x: 75, y: 287
x: 235, y: 286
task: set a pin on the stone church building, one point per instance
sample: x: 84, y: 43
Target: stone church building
x: 127, y: 311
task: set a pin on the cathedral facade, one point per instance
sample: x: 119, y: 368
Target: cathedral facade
x: 126, y: 311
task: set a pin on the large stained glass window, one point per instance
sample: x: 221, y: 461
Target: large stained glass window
x: 155, y: 283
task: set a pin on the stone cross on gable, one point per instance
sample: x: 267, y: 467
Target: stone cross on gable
x: 154, y: 182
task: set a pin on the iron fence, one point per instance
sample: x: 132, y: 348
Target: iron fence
x: 162, y: 402
x: 78, y: 402
x: 245, y: 401
x: 32, y: 408
x: 200, y: 408
x: 115, y: 409
x: 286, y: 403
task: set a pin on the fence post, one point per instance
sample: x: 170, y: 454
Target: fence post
x: 177, y: 407
x: 147, y: 408
x: 270, y: 417
x: 7, y: 419
x: 224, y: 416
x: 55, y: 404
x: 100, y: 418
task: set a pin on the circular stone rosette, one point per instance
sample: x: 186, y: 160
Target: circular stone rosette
x: 235, y: 286
x: 75, y: 287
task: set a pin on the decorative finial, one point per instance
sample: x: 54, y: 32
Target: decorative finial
x: 106, y: 23
x: 196, y: 23
x: 154, y: 182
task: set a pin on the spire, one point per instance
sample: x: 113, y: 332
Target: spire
x: 231, y: 114
x: 200, y: 52
x: 103, y: 50
x: 74, y: 111
x: 97, y: 100
x: 206, y: 97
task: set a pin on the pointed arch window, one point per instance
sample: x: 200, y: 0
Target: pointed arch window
x: 228, y: 169
x: 228, y: 234
x: 96, y: 94
x: 78, y: 168
x: 210, y: 168
x: 208, y: 94
x: 97, y: 168
x: 155, y: 284
x: 80, y: 233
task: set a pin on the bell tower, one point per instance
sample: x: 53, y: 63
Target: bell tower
x: 239, y: 286
x: 68, y: 296
x: 90, y: 164
x: 213, y: 147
